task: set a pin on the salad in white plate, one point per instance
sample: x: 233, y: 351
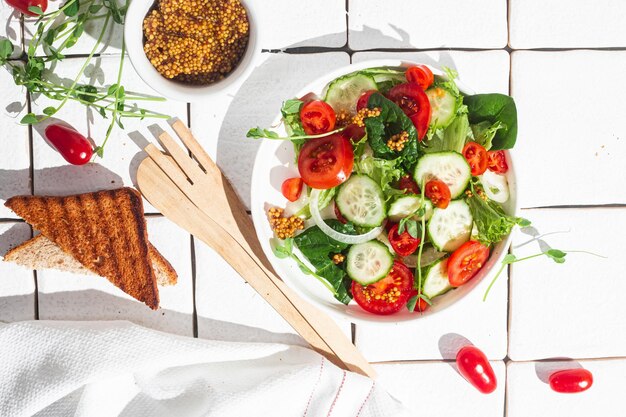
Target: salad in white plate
x: 400, y: 188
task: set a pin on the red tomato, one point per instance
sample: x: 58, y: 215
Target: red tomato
x: 438, y: 192
x: 421, y: 75
x: 414, y: 102
x: 407, y: 184
x: 420, y: 305
x: 476, y: 157
x: 362, y: 102
x: 292, y: 188
x: 308, y: 97
x: 476, y: 369
x: 326, y: 162
x: 339, y: 216
x: 571, y: 380
x: 496, y: 162
x: 402, y: 243
x: 399, y: 280
x: 466, y: 261
x: 317, y: 117
x: 23, y: 5
x: 72, y: 146
x: 353, y: 132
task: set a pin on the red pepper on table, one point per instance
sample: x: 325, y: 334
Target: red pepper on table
x: 476, y: 369
x: 571, y: 380
x: 72, y: 146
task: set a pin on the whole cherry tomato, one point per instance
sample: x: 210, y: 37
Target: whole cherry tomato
x: 72, y: 146
x: 571, y: 380
x: 421, y: 75
x: 496, y: 162
x: 476, y: 369
x: 23, y: 5
x: 317, y: 117
x: 292, y: 188
x: 438, y: 192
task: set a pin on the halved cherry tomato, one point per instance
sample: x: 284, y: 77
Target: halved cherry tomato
x: 23, y: 5
x: 407, y: 184
x: 476, y: 157
x: 571, y: 380
x: 317, y: 117
x: 393, y: 291
x: 420, y: 304
x: 353, y: 132
x: 402, y: 243
x: 362, y: 101
x: 72, y: 146
x: 292, y: 188
x: 421, y: 75
x: 476, y: 369
x: 339, y: 216
x: 496, y: 162
x: 414, y: 102
x: 438, y: 192
x: 326, y: 162
x: 466, y: 261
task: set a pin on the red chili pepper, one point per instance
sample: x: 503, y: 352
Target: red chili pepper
x: 476, y: 369
x: 72, y: 146
x: 571, y: 380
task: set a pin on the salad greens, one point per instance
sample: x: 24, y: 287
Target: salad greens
x: 492, y: 222
x: 494, y: 108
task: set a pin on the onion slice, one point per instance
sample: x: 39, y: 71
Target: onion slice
x: 338, y: 236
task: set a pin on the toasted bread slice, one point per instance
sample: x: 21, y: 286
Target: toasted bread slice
x: 105, y: 231
x: 42, y: 253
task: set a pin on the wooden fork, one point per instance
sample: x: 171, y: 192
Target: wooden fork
x: 193, y: 193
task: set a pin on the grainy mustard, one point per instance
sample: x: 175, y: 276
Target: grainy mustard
x: 196, y: 41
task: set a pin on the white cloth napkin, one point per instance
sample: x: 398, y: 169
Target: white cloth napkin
x: 98, y: 369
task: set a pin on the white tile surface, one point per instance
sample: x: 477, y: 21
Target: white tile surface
x: 436, y: 389
x: 221, y: 124
x: 574, y: 309
x: 121, y: 155
x: 483, y: 72
x: 572, y: 140
x: 483, y: 323
x: 427, y: 24
x: 10, y: 27
x: 66, y: 296
x: 567, y: 23
x: 287, y: 24
x: 15, y: 154
x: 529, y: 396
x: 17, y: 284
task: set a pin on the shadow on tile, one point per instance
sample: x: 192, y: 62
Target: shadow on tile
x: 547, y: 367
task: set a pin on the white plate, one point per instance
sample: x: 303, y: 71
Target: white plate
x: 275, y: 162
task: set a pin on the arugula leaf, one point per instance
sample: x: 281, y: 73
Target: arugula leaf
x: 318, y: 248
x: 485, y: 131
x: 71, y: 8
x: 492, y: 222
x: 384, y: 171
x: 29, y: 119
x: 494, y: 108
x: 391, y: 121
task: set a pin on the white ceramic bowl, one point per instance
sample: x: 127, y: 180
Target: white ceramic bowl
x: 133, y: 38
x: 275, y: 162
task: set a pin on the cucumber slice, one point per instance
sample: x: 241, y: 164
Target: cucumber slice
x: 368, y: 262
x: 443, y: 107
x: 495, y: 185
x: 436, y: 279
x: 361, y: 200
x: 343, y: 93
x: 449, y: 167
x: 449, y: 228
x: 406, y: 205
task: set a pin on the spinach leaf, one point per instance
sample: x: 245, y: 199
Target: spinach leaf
x: 492, y: 222
x: 495, y: 108
x: 485, y: 131
x: 318, y: 248
x: 391, y: 121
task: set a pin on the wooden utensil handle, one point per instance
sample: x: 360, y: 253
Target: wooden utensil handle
x: 318, y: 330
